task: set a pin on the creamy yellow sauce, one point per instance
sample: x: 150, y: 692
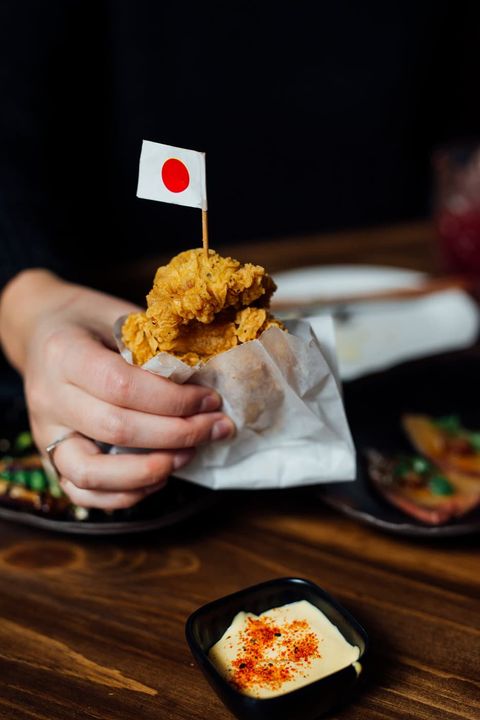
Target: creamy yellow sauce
x: 281, y: 650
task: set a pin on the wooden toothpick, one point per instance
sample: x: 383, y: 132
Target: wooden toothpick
x: 205, y: 232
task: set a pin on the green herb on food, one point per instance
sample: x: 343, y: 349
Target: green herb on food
x: 440, y: 485
x: 403, y: 467
x: 474, y: 440
x: 23, y: 441
x: 449, y: 423
x: 452, y: 425
x: 20, y: 477
x: 421, y: 465
x: 415, y: 464
x: 38, y: 480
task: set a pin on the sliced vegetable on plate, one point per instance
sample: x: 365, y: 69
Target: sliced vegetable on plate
x: 421, y: 489
x: 25, y: 485
x: 445, y: 441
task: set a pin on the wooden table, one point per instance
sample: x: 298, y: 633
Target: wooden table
x: 95, y: 628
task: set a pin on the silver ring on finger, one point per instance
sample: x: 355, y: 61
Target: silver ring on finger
x: 50, y: 449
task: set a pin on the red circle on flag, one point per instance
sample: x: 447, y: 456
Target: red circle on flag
x: 175, y: 175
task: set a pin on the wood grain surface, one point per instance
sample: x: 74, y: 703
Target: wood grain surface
x: 94, y: 629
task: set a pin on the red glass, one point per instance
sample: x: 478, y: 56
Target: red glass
x: 457, y: 208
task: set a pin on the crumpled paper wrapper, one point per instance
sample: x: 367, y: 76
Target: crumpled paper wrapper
x: 283, y: 393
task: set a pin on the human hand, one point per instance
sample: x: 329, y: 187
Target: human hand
x: 74, y: 380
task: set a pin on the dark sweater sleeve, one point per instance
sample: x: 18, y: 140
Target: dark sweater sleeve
x: 33, y: 36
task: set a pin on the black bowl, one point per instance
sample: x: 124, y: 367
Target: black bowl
x: 207, y: 625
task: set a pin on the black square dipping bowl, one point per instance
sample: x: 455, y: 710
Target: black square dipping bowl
x: 207, y: 625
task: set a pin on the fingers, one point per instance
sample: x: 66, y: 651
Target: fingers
x: 80, y: 461
x: 107, y: 376
x: 92, y: 479
x: 130, y: 428
x: 104, y: 398
x: 103, y: 500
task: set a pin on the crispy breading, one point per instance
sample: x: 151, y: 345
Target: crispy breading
x: 200, y: 305
x: 134, y: 337
x: 206, y: 340
x: 252, y: 321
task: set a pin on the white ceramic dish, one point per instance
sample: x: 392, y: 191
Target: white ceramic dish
x: 376, y: 335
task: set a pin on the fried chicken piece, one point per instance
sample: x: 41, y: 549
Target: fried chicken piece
x: 200, y: 306
x: 206, y: 340
x: 252, y: 321
x: 135, y: 338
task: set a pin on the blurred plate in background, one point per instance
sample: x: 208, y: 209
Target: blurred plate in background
x: 376, y: 335
x: 439, y: 386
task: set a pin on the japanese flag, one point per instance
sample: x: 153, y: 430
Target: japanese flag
x: 172, y: 175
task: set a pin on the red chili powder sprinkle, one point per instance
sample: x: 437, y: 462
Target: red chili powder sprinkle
x: 272, y: 654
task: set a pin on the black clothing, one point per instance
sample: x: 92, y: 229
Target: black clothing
x: 313, y: 116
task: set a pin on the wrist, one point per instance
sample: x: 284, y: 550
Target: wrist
x: 37, y: 302
x: 26, y: 298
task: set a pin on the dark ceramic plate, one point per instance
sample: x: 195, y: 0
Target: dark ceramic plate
x: 176, y: 503
x: 179, y: 501
x: 207, y: 625
x: 442, y: 385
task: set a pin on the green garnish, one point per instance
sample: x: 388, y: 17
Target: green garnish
x: 449, y: 423
x: 474, y: 440
x: 38, y: 480
x: 20, y: 477
x: 403, y: 467
x: 440, y: 485
x: 23, y: 441
x: 416, y: 464
x: 420, y: 465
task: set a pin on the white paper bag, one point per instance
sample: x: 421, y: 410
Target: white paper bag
x: 283, y: 394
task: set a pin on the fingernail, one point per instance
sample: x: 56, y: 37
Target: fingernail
x: 222, y: 429
x: 210, y: 402
x: 155, y: 488
x: 181, y: 458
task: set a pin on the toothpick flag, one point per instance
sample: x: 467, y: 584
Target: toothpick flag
x: 172, y: 175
